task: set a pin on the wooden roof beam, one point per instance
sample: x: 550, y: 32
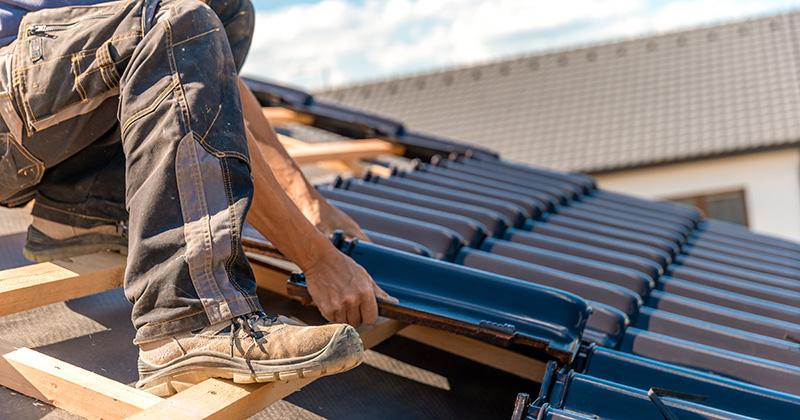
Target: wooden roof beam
x: 69, y: 387
x: 292, y: 143
x: 341, y: 150
x: 216, y: 399
x: 478, y: 351
x: 279, y: 116
x: 37, y: 285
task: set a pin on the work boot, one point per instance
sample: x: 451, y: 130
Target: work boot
x: 49, y: 241
x: 247, y: 349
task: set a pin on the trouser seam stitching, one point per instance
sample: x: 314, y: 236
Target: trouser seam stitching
x: 188, y: 232
x: 234, y: 17
x: 78, y: 84
x: 193, y: 314
x: 212, y: 123
x: 187, y: 128
x: 85, y: 75
x: 39, y: 204
x: 87, y: 52
x: 196, y: 36
x: 102, y: 56
x: 220, y: 153
x: 234, y: 227
x: 141, y: 113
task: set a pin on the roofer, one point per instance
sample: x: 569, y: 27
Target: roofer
x: 138, y: 102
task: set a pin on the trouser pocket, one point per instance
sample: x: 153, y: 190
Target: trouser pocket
x: 69, y: 60
x: 19, y: 169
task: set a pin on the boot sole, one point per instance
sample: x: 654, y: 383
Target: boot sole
x: 62, y: 253
x: 342, y: 353
x: 42, y: 248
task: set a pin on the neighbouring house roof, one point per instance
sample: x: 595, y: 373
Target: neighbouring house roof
x: 706, y: 92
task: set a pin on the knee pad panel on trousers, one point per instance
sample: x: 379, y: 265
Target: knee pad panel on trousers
x: 186, y: 57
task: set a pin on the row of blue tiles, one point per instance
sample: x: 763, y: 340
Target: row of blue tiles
x: 620, y: 284
x: 661, y: 281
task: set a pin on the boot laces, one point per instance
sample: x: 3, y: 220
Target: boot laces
x: 122, y: 229
x: 249, y: 324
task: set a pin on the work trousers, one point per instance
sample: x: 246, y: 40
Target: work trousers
x: 137, y: 102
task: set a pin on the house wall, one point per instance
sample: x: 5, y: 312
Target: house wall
x: 770, y: 180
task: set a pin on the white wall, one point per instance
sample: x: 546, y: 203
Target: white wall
x: 770, y: 180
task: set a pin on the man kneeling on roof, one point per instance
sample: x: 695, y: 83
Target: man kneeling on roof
x: 145, y: 94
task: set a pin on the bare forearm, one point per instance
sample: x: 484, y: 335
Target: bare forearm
x: 286, y: 172
x: 276, y: 216
x: 289, y: 212
x: 316, y: 209
x: 342, y: 290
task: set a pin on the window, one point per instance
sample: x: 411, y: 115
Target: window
x: 728, y: 206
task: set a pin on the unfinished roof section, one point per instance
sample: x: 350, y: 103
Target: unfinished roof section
x: 706, y: 92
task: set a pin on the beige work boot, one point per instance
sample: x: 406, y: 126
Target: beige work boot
x: 50, y: 241
x: 252, y: 348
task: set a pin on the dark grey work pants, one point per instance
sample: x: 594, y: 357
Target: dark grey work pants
x: 138, y: 100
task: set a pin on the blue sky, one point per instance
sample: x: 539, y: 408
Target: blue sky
x: 315, y: 44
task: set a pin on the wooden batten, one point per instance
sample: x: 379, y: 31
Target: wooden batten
x: 352, y: 149
x: 478, y: 351
x: 271, y: 273
x: 380, y: 171
x: 345, y: 166
x: 216, y: 399
x: 291, y: 143
x: 37, y: 285
x: 68, y: 387
x: 278, y: 116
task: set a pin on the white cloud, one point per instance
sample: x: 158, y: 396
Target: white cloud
x: 335, y: 42
x: 683, y: 13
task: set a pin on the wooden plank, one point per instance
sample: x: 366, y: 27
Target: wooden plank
x: 291, y: 143
x: 339, y: 155
x: 42, y: 284
x: 219, y: 399
x: 478, y: 351
x: 278, y: 116
x: 69, y: 387
x: 272, y: 276
x: 353, y: 149
x: 380, y: 170
x: 347, y: 166
x: 385, y: 328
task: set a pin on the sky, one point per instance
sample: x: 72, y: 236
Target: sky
x: 320, y: 44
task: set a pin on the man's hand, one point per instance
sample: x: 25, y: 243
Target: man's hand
x: 343, y: 291
x: 283, y: 205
